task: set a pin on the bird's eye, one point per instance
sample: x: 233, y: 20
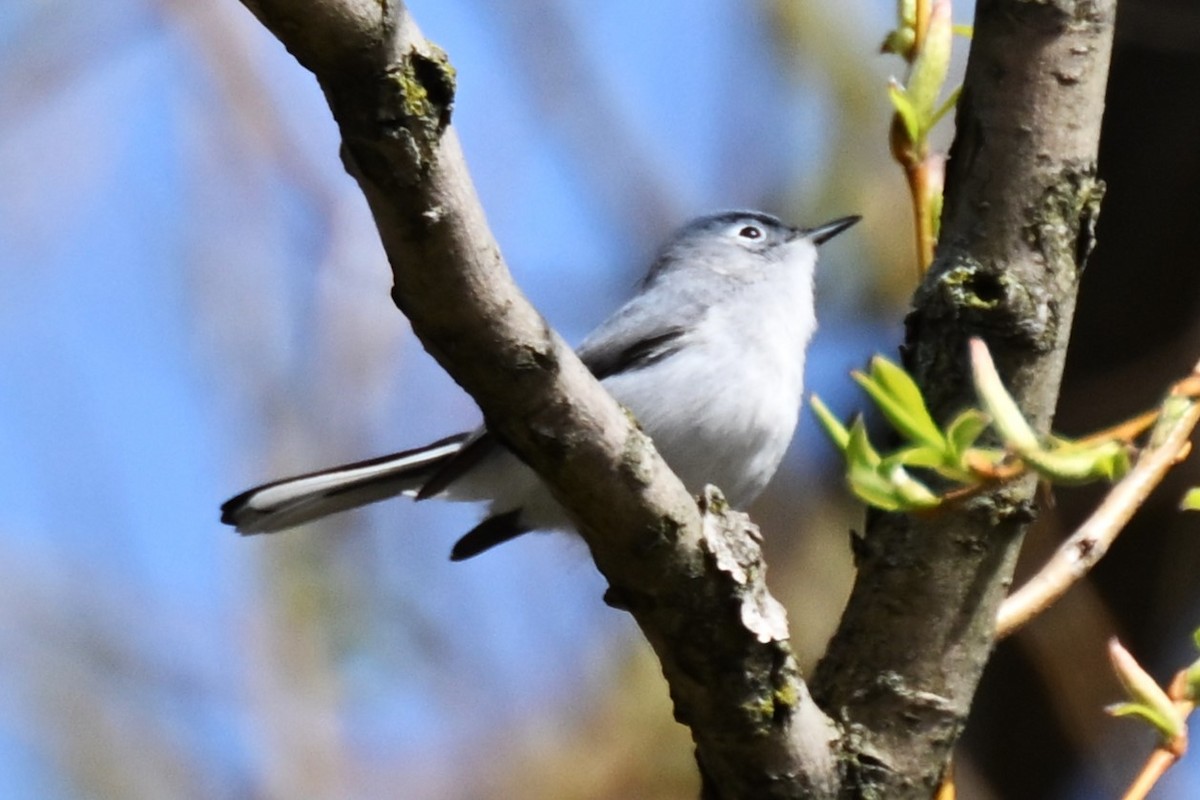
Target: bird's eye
x: 750, y: 232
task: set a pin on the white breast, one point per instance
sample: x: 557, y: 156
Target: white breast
x: 723, y: 410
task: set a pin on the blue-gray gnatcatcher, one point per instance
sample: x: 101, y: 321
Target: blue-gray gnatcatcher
x: 709, y: 356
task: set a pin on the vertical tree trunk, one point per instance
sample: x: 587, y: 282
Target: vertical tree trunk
x: 1021, y: 204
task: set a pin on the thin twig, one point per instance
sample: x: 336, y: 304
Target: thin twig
x: 992, y: 475
x: 1166, y: 754
x: 1155, y: 767
x: 918, y: 185
x: 1084, y: 549
x: 1125, y: 431
x: 919, y: 170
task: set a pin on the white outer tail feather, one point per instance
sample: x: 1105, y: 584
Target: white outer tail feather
x: 293, y: 501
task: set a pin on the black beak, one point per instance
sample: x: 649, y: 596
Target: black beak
x: 823, y: 233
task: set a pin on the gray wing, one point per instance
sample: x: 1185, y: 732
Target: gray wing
x: 649, y: 328
x: 625, y: 356
x: 609, y: 356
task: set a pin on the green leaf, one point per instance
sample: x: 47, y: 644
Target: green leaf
x: 833, y: 427
x: 873, y: 489
x: 1158, y: 721
x: 1149, y: 701
x: 899, y: 384
x: 880, y: 482
x: 935, y: 213
x: 965, y: 429
x: 945, y: 107
x: 900, y: 42
x: 901, y: 402
x: 1192, y: 676
x: 1060, y: 460
x: 912, y: 494
x: 917, y: 456
x: 859, y: 451
x: 1070, y: 462
x: 1191, y: 502
x: 932, y: 63
x: 889, y: 487
x: 998, y: 403
x: 905, y: 110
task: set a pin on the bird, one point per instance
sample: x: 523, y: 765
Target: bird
x: 708, y: 354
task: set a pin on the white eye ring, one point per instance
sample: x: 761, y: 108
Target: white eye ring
x: 751, y: 232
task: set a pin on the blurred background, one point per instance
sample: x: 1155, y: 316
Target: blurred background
x: 193, y: 300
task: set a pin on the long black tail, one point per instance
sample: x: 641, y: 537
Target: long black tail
x: 293, y: 501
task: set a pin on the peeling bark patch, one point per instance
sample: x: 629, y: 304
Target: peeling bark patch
x: 1064, y: 219
x: 440, y: 79
x: 786, y: 697
x: 735, y: 546
x: 426, y: 84
x: 995, y: 302
x: 530, y: 357
x: 975, y: 292
x: 423, y: 87
x: 893, y: 683
x: 869, y: 767
x: 1085, y: 240
x: 1006, y: 507
x: 969, y: 286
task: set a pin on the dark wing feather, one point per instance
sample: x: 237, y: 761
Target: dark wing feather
x: 603, y: 356
x: 627, y: 357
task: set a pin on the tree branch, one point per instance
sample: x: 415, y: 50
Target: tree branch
x: 1076, y: 556
x: 692, y: 578
x: 1021, y: 204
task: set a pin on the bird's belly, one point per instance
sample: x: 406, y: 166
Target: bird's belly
x: 733, y: 437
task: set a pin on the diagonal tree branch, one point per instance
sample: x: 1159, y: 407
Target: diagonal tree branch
x: 1084, y: 548
x: 692, y: 577
x: 1021, y: 202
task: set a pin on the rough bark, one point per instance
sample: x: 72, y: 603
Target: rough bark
x: 692, y: 577
x: 1021, y: 204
